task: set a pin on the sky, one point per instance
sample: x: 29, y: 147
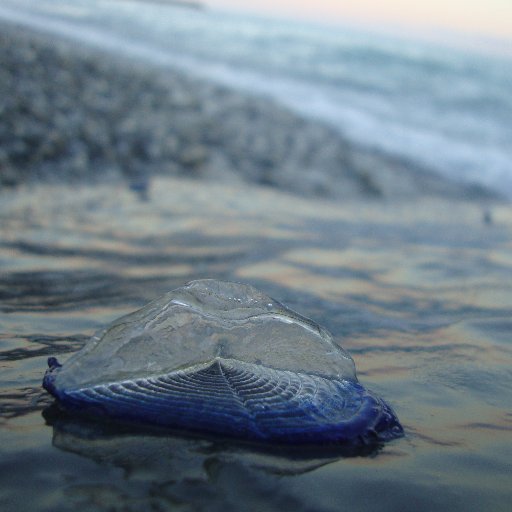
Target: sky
x: 490, y: 18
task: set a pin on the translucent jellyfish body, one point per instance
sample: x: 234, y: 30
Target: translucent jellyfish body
x: 223, y: 358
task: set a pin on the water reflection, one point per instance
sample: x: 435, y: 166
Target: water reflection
x: 161, y: 453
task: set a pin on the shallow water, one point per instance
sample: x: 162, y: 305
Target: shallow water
x: 419, y: 294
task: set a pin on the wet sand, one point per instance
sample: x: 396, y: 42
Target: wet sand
x: 419, y: 293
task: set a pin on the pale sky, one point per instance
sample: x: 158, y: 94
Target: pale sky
x: 480, y: 17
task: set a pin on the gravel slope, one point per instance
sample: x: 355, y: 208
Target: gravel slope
x: 72, y: 113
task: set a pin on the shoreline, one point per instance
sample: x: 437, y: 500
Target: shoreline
x: 73, y: 113
x: 187, y: 4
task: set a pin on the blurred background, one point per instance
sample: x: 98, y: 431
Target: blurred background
x: 325, y: 98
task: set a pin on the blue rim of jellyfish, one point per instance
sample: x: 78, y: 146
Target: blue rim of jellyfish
x: 158, y: 402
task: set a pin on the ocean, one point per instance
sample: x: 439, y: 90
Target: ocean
x: 445, y: 109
